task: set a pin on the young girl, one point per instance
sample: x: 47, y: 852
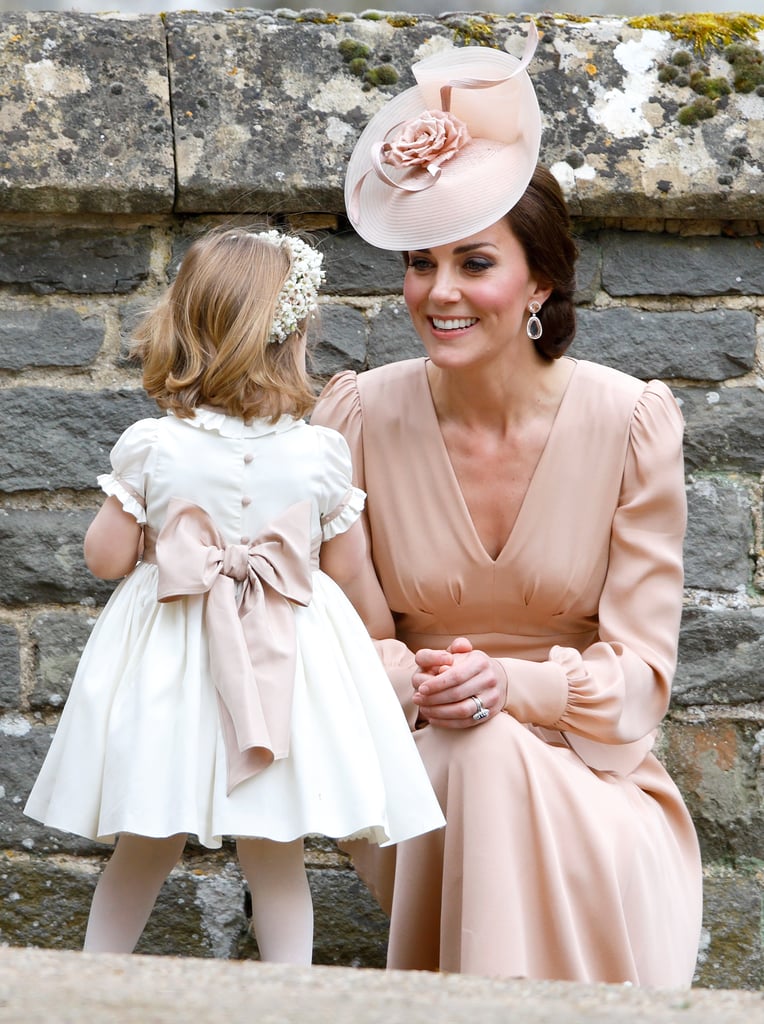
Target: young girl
x: 229, y: 687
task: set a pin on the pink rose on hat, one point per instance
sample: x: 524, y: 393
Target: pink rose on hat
x: 427, y: 141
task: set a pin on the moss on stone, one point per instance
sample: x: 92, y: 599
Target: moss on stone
x: 700, y: 110
x: 358, y: 66
x: 352, y: 49
x: 358, y: 58
x: 747, y: 66
x: 382, y: 74
x: 667, y: 73
x: 704, y: 85
x: 702, y: 30
x: 681, y: 58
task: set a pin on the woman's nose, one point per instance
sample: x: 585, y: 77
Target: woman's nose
x: 444, y: 287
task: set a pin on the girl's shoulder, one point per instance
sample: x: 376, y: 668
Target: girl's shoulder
x: 138, y: 436
x: 326, y: 440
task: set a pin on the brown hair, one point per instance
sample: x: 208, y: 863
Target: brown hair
x: 541, y: 223
x: 207, y: 340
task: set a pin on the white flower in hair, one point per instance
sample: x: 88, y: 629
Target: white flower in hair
x: 299, y: 292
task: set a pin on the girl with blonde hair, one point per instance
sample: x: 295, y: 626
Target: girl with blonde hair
x: 229, y: 688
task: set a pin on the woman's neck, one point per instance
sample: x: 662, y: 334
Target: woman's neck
x: 500, y: 401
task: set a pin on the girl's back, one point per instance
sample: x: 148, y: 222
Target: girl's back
x: 228, y: 687
x: 243, y: 475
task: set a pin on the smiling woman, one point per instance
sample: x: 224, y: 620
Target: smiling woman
x: 525, y: 516
x: 478, y: 291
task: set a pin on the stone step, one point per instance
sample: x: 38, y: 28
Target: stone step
x: 45, y: 986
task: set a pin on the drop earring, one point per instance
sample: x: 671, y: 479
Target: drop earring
x: 534, y: 328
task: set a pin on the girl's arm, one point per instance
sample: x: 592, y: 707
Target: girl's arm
x: 346, y: 559
x: 113, y: 541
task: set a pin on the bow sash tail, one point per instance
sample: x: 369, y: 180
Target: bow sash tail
x: 252, y: 636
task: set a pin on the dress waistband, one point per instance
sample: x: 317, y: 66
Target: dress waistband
x: 149, y: 553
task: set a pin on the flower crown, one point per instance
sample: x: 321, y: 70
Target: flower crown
x: 299, y: 292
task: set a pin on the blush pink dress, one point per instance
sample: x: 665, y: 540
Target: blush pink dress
x: 568, y: 852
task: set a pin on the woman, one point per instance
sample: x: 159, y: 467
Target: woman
x: 526, y: 514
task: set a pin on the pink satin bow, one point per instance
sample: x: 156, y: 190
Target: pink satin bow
x: 251, y: 639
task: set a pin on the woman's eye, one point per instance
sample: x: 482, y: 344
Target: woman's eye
x: 419, y: 263
x: 475, y: 265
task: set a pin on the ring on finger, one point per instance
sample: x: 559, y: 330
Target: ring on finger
x: 480, y: 711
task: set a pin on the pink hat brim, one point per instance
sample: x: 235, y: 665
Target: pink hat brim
x: 478, y: 185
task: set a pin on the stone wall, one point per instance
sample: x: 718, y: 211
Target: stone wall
x: 120, y: 137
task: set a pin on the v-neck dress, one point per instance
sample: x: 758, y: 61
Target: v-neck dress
x: 568, y: 852
x: 139, y: 747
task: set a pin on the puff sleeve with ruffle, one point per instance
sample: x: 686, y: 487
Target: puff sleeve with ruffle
x: 617, y: 690
x: 130, y: 459
x: 342, y: 502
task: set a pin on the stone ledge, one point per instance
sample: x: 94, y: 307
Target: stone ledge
x: 38, y: 986
x: 253, y: 111
x: 85, y: 116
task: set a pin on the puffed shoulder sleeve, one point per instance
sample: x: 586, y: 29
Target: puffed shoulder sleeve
x: 618, y: 689
x: 339, y: 407
x: 129, y: 458
x: 342, y: 502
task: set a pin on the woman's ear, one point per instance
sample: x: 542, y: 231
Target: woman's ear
x: 542, y: 292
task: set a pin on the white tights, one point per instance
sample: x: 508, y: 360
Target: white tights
x: 282, y: 907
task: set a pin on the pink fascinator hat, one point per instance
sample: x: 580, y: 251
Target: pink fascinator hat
x: 449, y: 156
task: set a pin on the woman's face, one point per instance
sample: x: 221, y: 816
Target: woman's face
x: 469, y: 299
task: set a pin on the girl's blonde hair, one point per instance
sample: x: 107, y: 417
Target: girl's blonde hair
x: 207, y: 342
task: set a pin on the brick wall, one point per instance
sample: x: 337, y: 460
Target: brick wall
x: 110, y: 161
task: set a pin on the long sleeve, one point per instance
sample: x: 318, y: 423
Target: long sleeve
x: 617, y: 690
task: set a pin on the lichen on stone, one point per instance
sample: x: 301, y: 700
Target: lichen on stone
x: 702, y: 30
x: 402, y: 20
x: 474, y: 30
x: 317, y: 17
x: 574, y: 19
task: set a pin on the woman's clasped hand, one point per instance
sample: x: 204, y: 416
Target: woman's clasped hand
x: 458, y: 687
